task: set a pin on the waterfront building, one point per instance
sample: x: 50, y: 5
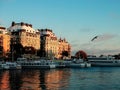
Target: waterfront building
x: 42, y: 40
x: 4, y: 42
x: 63, y: 46
x: 49, y: 44
x: 24, y: 34
x: 53, y: 47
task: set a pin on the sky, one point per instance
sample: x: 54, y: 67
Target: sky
x: 76, y: 20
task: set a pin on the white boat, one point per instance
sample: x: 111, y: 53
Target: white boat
x: 37, y: 64
x: 104, y: 61
x: 79, y: 63
x: 10, y: 65
x: 61, y: 64
x: 21, y: 60
x: 87, y: 64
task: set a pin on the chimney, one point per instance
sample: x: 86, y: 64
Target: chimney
x: 13, y: 23
x: 30, y: 25
x: 22, y: 23
x: 26, y: 24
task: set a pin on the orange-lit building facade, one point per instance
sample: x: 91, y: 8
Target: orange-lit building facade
x: 49, y: 44
x: 4, y: 42
x: 25, y: 34
x: 53, y: 47
x: 42, y: 39
x: 63, y: 46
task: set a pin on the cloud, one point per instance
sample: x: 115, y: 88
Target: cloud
x: 102, y: 45
x: 74, y: 45
x: 95, y: 49
x: 105, y: 51
x: 85, y: 45
x: 99, y: 52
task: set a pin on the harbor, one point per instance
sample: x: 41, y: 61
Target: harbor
x: 23, y: 63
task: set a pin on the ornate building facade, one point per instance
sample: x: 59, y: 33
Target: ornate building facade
x: 25, y: 34
x: 53, y: 47
x: 63, y: 46
x: 49, y: 44
x: 43, y: 40
x: 4, y: 42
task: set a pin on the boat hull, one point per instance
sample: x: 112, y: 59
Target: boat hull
x: 10, y: 65
x: 105, y: 64
x: 38, y: 67
x: 80, y: 65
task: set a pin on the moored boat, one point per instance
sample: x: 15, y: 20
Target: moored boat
x: 10, y: 65
x: 38, y: 64
x: 104, y: 61
x: 79, y: 63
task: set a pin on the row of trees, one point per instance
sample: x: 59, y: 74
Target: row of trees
x: 81, y: 54
x: 17, y: 50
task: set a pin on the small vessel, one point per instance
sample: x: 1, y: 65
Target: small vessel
x: 10, y: 65
x: 104, y: 61
x: 37, y: 64
x: 60, y: 65
x: 79, y: 63
x: 88, y: 64
x: 21, y: 60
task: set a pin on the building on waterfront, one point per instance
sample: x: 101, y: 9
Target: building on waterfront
x: 53, y: 47
x: 43, y: 41
x: 63, y: 46
x: 49, y: 44
x: 24, y: 34
x: 4, y: 42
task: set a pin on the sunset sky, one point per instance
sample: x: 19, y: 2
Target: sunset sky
x: 76, y: 20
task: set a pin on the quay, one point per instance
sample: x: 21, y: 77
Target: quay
x: 23, y: 63
x: 43, y: 64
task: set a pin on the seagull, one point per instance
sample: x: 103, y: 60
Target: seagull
x: 94, y: 38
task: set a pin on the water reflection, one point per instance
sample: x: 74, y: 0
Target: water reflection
x: 30, y: 80
x: 33, y: 79
x: 61, y: 79
x: 4, y: 80
x: 9, y: 80
x: 57, y: 79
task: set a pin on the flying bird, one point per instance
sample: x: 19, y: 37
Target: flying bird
x: 94, y: 38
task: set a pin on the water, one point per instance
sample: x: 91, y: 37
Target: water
x: 94, y: 78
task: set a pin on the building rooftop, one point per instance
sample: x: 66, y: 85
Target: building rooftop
x: 22, y: 26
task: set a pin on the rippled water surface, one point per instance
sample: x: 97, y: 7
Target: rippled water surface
x: 61, y: 79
